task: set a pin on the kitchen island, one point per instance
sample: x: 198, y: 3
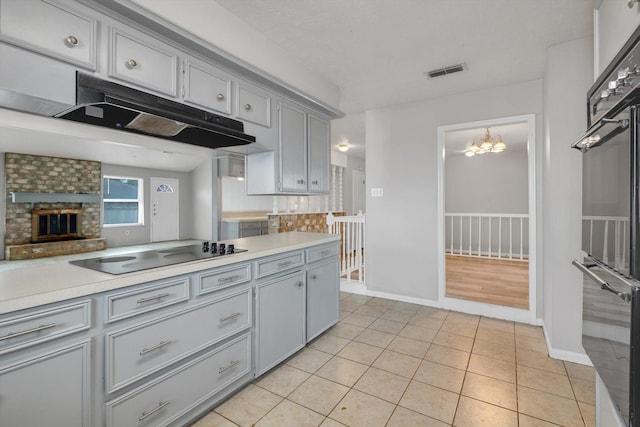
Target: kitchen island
x: 158, y: 346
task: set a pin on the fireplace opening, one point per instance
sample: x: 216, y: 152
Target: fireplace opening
x: 50, y: 225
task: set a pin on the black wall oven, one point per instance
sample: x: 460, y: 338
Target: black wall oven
x: 611, y: 229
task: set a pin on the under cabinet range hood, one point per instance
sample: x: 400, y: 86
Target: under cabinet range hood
x: 107, y: 104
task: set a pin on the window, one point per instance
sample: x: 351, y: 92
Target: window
x: 122, y: 201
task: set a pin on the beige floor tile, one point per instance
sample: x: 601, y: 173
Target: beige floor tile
x: 538, y: 360
x: 496, y: 324
x: 398, y: 316
x: 358, y: 409
x: 373, y: 337
x: 500, y: 338
x: 474, y: 413
x: 426, y: 321
x: 544, y: 381
x: 344, y: 314
x: 343, y: 371
x: 382, y: 384
x: 319, y: 394
x: 329, y: 343
x: 359, y: 320
x: 388, y: 326
x: 360, y: 352
x: 345, y: 330
x: 447, y: 356
x: 381, y: 302
x: 369, y: 310
x: 440, y: 376
x: 459, y: 342
x: 498, y: 369
x: 309, y: 360
x: 431, y: 401
x: 588, y: 414
x: 403, y: 417
x: 585, y: 391
x: 490, y: 390
x: 348, y: 306
x: 549, y: 407
x: 406, y: 307
x: 283, y: 380
x: 582, y: 372
x: 526, y: 342
x: 397, y: 363
x: 249, y: 405
x: 436, y: 313
x: 328, y: 422
x: 213, y: 420
x: 466, y: 317
x: 359, y: 299
x: 527, y: 421
x: 409, y: 346
x: 288, y: 413
x: 530, y: 330
x: 460, y: 326
x: 494, y: 351
x: 418, y: 333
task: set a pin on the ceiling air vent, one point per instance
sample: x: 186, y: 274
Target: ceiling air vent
x: 446, y: 70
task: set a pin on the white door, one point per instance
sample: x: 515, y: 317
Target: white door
x: 358, y: 191
x: 164, y: 209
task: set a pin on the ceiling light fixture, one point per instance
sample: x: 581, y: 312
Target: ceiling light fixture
x: 343, y: 147
x: 487, y: 145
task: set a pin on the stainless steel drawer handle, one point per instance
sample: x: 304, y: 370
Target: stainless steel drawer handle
x: 27, y: 331
x: 157, y: 297
x: 228, y: 278
x: 299, y: 284
x: 247, y: 107
x: 154, y: 348
x: 229, y: 317
x: 220, y: 97
x: 132, y: 63
x: 300, y: 181
x: 325, y: 252
x: 154, y: 410
x: 315, y: 182
x: 71, y: 41
x: 229, y: 366
x: 624, y: 296
x: 284, y: 264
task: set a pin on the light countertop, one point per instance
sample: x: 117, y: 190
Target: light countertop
x: 38, y: 282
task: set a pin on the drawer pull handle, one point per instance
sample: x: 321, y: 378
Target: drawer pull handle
x: 146, y: 414
x: 247, y: 107
x: 300, y: 181
x: 315, y: 182
x: 71, y: 41
x: 228, y: 278
x: 154, y: 348
x: 157, y: 297
x: 284, y: 264
x: 299, y: 284
x: 132, y: 63
x: 229, y: 366
x: 314, y: 276
x: 229, y: 317
x: 28, y: 331
x: 325, y: 252
x: 220, y: 97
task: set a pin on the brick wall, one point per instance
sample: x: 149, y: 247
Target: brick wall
x: 315, y: 222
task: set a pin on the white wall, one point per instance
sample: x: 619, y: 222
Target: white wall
x: 353, y: 163
x: 614, y: 23
x: 401, y: 158
x: 565, y: 122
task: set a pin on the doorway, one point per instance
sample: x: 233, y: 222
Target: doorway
x: 487, y: 217
x: 358, y: 191
x: 164, y: 209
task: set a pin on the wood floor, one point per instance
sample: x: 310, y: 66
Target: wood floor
x: 489, y: 281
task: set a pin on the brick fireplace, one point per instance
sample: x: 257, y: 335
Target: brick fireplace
x: 53, y: 206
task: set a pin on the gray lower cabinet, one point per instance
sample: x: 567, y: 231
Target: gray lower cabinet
x: 323, y: 297
x: 280, y: 319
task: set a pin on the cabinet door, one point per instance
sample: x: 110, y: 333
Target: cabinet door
x: 47, y: 389
x: 323, y: 298
x: 318, y: 155
x: 280, y: 320
x: 207, y: 88
x: 292, y: 150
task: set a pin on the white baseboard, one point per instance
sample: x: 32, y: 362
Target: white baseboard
x: 569, y: 356
x: 488, y: 310
x: 355, y: 287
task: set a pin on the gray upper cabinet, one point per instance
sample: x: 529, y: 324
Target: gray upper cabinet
x: 207, y: 87
x: 253, y: 104
x: 292, y: 148
x: 319, y: 154
x: 141, y: 61
x: 50, y: 29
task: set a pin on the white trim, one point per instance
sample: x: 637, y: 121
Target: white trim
x: 489, y: 310
x: 569, y: 356
x: 531, y: 144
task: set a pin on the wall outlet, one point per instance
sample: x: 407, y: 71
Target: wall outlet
x: 376, y: 192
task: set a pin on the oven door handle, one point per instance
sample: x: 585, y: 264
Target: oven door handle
x: 624, y: 296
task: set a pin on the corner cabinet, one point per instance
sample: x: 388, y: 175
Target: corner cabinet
x: 300, y: 164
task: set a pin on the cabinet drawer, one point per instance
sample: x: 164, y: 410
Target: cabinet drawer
x: 213, y: 280
x: 253, y: 105
x: 43, y: 325
x: 147, y: 298
x: 279, y: 263
x: 142, y: 63
x: 206, y: 88
x: 322, y: 252
x: 138, y: 351
x: 49, y: 29
x: 165, y: 399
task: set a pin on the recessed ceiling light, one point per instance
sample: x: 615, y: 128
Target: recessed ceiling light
x: 343, y: 147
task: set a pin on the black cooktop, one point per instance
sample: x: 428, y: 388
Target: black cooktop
x: 136, y: 261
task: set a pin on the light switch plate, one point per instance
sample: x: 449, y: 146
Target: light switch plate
x: 376, y: 192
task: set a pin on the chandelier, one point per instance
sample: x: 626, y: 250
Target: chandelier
x: 486, y: 145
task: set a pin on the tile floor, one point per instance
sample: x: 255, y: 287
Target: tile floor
x: 389, y: 363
